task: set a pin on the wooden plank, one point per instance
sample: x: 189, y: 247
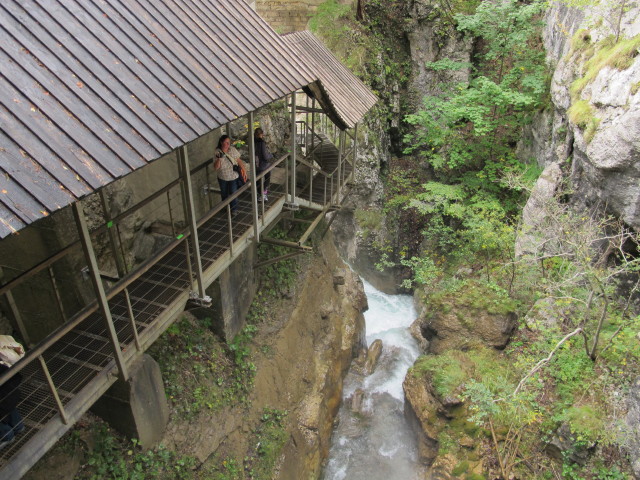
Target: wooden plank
x: 149, y: 89
x: 52, y: 146
x: 231, y: 95
x: 84, y: 44
x: 61, y: 106
x: 155, y: 61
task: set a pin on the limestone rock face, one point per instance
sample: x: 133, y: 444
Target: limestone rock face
x: 422, y: 409
x: 373, y: 354
x: 320, y: 332
x: 431, y: 38
x: 604, y: 164
x: 535, y: 229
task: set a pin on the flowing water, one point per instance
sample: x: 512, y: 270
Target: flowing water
x: 377, y: 442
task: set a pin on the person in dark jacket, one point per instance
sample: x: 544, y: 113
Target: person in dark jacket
x: 10, y: 419
x: 263, y: 160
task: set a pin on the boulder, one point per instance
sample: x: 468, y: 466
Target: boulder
x: 473, y: 316
x: 373, y: 354
x: 564, y: 446
x: 357, y: 401
x: 421, y: 409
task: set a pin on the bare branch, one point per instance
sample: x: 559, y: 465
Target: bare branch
x: 544, y: 361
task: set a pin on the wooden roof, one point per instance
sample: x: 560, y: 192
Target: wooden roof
x: 92, y: 90
x: 341, y: 94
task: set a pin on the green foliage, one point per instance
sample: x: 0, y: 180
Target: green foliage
x: 200, y: 372
x: 335, y: 24
x: 586, y: 424
x: 111, y: 457
x: 471, y: 127
x: 369, y: 219
x: 271, y: 439
x: 572, y: 369
x: 452, y: 370
x: 278, y: 278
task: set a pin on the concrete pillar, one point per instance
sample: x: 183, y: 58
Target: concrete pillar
x: 231, y: 296
x: 138, y: 407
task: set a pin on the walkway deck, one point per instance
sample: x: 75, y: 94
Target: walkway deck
x: 81, y: 364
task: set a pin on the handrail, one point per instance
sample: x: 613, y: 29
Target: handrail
x: 124, y: 282
x: 310, y: 165
x: 102, y: 228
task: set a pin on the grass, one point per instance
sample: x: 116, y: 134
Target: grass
x: 200, y: 371
x: 581, y: 113
x: 607, y: 53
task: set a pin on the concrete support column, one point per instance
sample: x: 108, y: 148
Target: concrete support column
x: 137, y: 407
x: 231, y: 294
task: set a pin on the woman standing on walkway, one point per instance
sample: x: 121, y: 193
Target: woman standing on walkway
x: 263, y: 160
x: 227, y: 161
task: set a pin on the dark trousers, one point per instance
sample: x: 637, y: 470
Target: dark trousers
x: 10, y: 425
x: 227, y: 188
x: 264, y: 182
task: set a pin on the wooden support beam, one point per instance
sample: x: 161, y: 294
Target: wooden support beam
x: 285, y: 243
x: 279, y: 259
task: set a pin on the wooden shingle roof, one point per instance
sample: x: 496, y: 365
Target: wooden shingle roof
x: 341, y: 94
x: 92, y: 90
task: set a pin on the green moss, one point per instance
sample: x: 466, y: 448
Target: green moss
x: 474, y: 476
x: 635, y: 87
x: 369, y: 219
x: 475, y: 295
x: 461, y: 468
x: 586, y: 423
x: 581, y: 113
x: 447, y: 371
x: 580, y: 40
x: 590, y: 131
x: 608, y: 53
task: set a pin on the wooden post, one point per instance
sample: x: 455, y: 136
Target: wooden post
x: 94, y: 274
x: 340, y: 148
x: 355, y: 150
x: 313, y: 122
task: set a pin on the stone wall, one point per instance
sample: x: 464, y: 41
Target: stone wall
x: 286, y: 16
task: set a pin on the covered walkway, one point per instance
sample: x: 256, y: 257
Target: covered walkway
x: 66, y: 373
x: 72, y: 128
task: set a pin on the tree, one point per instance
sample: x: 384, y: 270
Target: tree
x: 475, y: 126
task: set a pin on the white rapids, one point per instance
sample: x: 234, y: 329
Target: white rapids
x: 378, y: 442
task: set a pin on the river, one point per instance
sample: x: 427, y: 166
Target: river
x: 378, y: 443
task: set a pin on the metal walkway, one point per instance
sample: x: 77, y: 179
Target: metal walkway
x: 329, y: 169
x: 83, y: 359
x: 69, y: 370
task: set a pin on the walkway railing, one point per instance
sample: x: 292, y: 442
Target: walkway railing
x: 92, y: 342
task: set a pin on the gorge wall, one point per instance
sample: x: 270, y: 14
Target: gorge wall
x: 599, y: 150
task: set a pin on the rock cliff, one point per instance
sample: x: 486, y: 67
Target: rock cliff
x: 593, y: 126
